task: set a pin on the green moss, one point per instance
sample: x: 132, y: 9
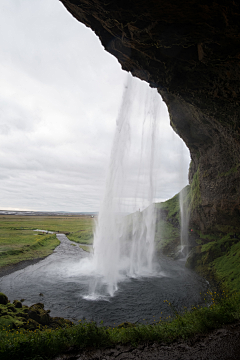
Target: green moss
x: 219, y: 259
x: 194, y: 192
x: 166, y: 234
x: 205, y: 174
x: 230, y: 172
x: 168, y: 223
x: 208, y: 246
x: 208, y: 237
x: 172, y: 206
x: 227, y: 268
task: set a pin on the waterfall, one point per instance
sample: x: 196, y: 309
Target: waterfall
x: 184, y: 214
x: 123, y: 243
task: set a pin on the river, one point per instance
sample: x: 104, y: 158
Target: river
x: 57, y: 282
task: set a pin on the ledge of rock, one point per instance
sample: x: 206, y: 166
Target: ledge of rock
x: 189, y: 51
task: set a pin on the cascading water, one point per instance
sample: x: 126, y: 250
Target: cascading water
x: 184, y: 214
x: 124, y: 245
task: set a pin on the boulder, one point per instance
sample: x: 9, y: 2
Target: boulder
x: 34, y: 317
x: 3, y: 299
x: 37, y: 313
x: 17, y: 304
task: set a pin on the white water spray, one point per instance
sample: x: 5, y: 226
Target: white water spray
x: 184, y: 214
x: 124, y: 245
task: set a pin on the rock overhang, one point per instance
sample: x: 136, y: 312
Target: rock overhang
x: 189, y: 51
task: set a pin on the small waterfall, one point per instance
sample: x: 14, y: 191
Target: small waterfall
x: 184, y: 214
x: 124, y: 244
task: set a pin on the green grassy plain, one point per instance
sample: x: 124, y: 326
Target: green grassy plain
x: 19, y: 242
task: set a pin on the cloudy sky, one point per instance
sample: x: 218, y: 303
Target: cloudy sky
x: 60, y: 95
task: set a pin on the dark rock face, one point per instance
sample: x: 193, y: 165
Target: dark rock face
x: 190, y: 51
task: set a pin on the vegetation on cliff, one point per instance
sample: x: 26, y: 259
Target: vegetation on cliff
x: 217, y: 257
x: 168, y: 225
x: 168, y: 222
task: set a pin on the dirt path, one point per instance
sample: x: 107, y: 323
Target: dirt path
x: 220, y: 344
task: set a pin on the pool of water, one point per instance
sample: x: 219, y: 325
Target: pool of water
x: 58, y: 282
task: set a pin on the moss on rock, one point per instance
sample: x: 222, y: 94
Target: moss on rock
x: 3, y: 299
x: 218, y: 259
x: 168, y: 225
x: 36, y: 312
x: 15, y: 315
x: 194, y: 193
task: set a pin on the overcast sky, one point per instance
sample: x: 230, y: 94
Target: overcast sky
x: 60, y: 94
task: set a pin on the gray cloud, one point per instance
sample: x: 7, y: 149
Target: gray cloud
x: 60, y: 94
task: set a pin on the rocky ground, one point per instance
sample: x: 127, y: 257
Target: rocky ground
x: 221, y: 344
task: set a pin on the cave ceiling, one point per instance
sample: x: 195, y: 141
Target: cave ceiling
x: 190, y: 52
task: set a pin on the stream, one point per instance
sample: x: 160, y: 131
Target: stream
x: 57, y: 282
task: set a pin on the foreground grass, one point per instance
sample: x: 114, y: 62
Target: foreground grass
x: 19, y: 242
x: 23, y: 345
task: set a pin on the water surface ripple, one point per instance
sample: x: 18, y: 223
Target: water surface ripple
x: 57, y: 283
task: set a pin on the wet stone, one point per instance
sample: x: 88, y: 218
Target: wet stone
x: 17, y: 304
x: 3, y: 299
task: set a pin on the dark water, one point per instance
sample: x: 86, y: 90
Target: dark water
x: 63, y: 287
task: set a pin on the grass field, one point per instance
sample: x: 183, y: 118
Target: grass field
x: 19, y: 242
